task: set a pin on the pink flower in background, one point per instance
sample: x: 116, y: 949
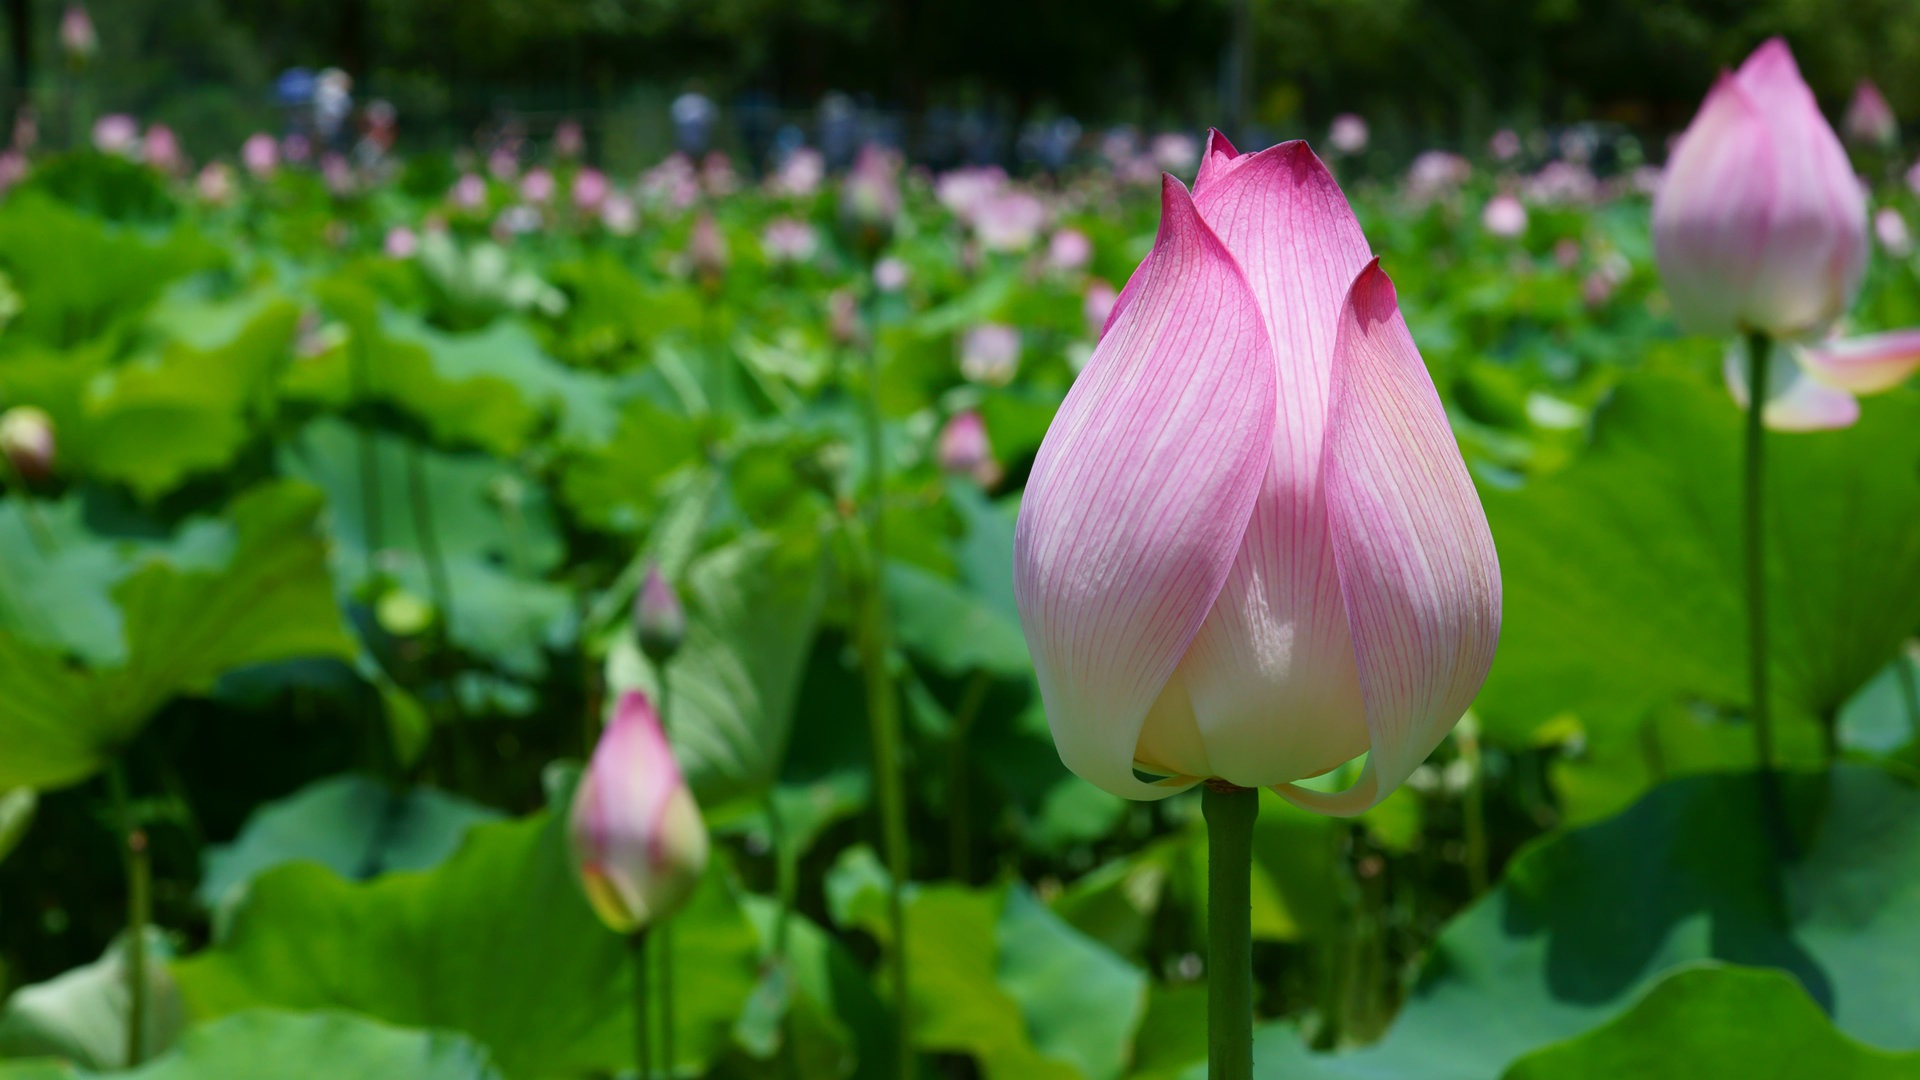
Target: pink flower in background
x: 1098, y: 304
x: 78, y: 40
x: 260, y: 154
x: 963, y: 190
x: 990, y: 354
x: 503, y: 164
x: 13, y: 169
x: 161, y: 150
x: 116, y: 133
x: 569, y: 141
x: 1815, y: 387
x: 296, y: 149
x: 1504, y: 216
x: 26, y: 129
x: 843, y: 317
x: 673, y: 183
x: 1069, y: 249
x: 1249, y: 548
x: 717, y: 177
x: 401, y: 243
x: 338, y: 174
x: 469, y: 192
x: 1759, y: 224
x: 890, y: 274
x: 619, y: 214
x: 1009, y: 221
x: 1347, y: 134
x: 786, y: 240
x: 1505, y: 145
x: 215, y: 183
x: 964, y: 450
x: 589, y: 190
x: 1870, y: 120
x: 1890, y: 228
x: 707, y: 248
x: 1562, y: 183
x: 1175, y: 152
x: 800, y: 174
x: 634, y: 831
x: 1436, y: 173
x: 870, y: 192
x: 537, y: 187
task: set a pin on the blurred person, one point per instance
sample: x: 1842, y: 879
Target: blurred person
x: 332, y: 105
x: 693, y: 115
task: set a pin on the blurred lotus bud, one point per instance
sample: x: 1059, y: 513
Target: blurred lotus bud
x: 1009, y: 221
x: 26, y: 441
x: 843, y: 317
x: 1069, y: 249
x: 990, y: 354
x: 26, y: 128
x: 1505, y: 145
x: 590, y: 190
x: 890, y: 274
x: 870, y: 195
x: 620, y: 215
x: 659, y: 622
x: 787, y: 241
x: 502, y: 164
x: 296, y: 149
x: 1870, y: 120
x: 717, y: 177
x: 116, y: 133
x: 260, y: 154
x: 1436, y: 173
x: 965, y: 451
x: 338, y: 175
x: 215, y: 183
x: 1175, y: 152
x: 1890, y: 228
x: 1098, y: 306
x: 537, y: 187
x: 569, y: 141
x: 161, y: 150
x: 1566, y: 253
x: 964, y: 190
x: 469, y: 192
x: 1504, y: 216
x: 13, y: 169
x: 800, y: 173
x: 79, y: 43
x: 1348, y: 134
x: 1913, y: 178
x: 635, y: 834
x: 401, y: 243
x: 707, y: 251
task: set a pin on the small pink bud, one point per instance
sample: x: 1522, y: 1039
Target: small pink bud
x: 537, y: 186
x: 635, y: 833
x: 964, y: 449
x: 1098, y: 306
x: 590, y: 189
x: 260, y: 154
x: 161, y: 149
x: 786, y: 240
x: 26, y: 441
x: 1504, y: 216
x: 469, y: 192
x: 77, y: 37
x: 659, y: 622
x: 890, y: 274
x: 1348, y: 134
x: 990, y: 354
x: 568, y: 139
x: 116, y: 133
x: 620, y: 215
x: 401, y: 243
x: 1069, y: 249
x: 843, y: 317
x: 215, y: 183
x: 1870, y: 120
x: 707, y: 250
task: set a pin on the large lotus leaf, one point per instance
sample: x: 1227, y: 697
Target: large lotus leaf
x: 752, y: 609
x: 582, y: 403
x: 268, y: 599
x: 1717, y: 1020
x: 618, y: 484
x: 497, y: 942
x: 82, y: 1015
x: 79, y: 276
x: 57, y: 579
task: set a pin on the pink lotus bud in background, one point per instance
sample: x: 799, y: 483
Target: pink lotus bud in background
x: 503, y: 164
x: 1890, y: 228
x: 870, y: 192
x: 116, y: 133
x: 338, y: 174
x: 260, y: 154
x: 1759, y: 224
x: 401, y: 243
x: 1504, y: 216
x: 13, y: 169
x: 1347, y: 134
x: 800, y: 174
x: 469, y: 192
x: 965, y: 451
x: 1436, y: 173
x: 659, y: 622
x: 990, y: 354
x: 26, y: 442
x: 1009, y: 221
x: 843, y: 317
x: 1505, y: 145
x: 635, y: 834
x: 78, y: 41
x: 717, y: 177
x: 589, y: 190
x: 215, y: 183
x: 296, y: 149
x: 707, y: 249
x: 1566, y: 253
x: 568, y: 140
x: 1870, y: 120
x: 619, y: 214
x: 1069, y: 249
x: 787, y: 241
x: 1249, y: 549
x: 890, y: 275
x: 963, y: 190
x: 1098, y: 306
x: 537, y: 187
x: 26, y: 128
x: 161, y: 150
x: 1175, y: 152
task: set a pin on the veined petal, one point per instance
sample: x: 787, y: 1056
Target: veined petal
x: 1140, y: 495
x: 1796, y: 400
x: 1416, y: 559
x: 1273, y: 687
x: 1865, y: 365
x: 1216, y: 161
x: 1712, y: 212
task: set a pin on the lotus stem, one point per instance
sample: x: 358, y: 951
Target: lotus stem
x: 1230, y: 813
x: 139, y: 912
x: 1754, y: 531
x: 664, y: 950
x: 642, y: 1015
x: 959, y: 809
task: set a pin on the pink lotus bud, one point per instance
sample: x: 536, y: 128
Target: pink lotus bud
x: 1436, y: 173
x: 26, y: 441
x: 1759, y: 224
x: 1068, y: 250
x: 1890, y: 228
x: 890, y: 275
x: 537, y: 187
x: 78, y: 41
x: 1504, y: 216
x: 870, y: 193
x: 401, y: 243
x: 707, y: 249
x: 215, y: 183
x: 1348, y: 134
x: 13, y: 169
x: 717, y: 177
x: 787, y: 241
x: 1098, y: 306
x: 503, y: 164
x: 1249, y: 549
x: 1175, y: 152
x: 965, y: 451
x: 260, y: 154
x: 1009, y: 221
x: 659, y: 622
x: 1870, y: 120
x: 469, y: 192
x: 843, y: 317
x: 590, y: 190
x: 800, y: 174
x: 963, y: 190
x: 338, y: 175
x: 1505, y: 145
x: 619, y: 214
x: 296, y: 148
x: 26, y: 128
x: 990, y: 354
x: 161, y: 150
x: 116, y: 133
x: 568, y: 140
x: 635, y: 833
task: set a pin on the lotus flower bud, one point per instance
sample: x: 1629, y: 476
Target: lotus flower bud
x: 590, y: 189
x: 965, y: 451
x: 1870, y: 120
x: 787, y: 240
x: 26, y: 441
x: 469, y: 192
x: 1759, y: 224
x: 568, y: 139
x: 1504, y: 216
x: 116, y: 133
x: 401, y: 243
x: 161, y: 150
x: 1069, y: 249
x: 620, y: 215
x: 1348, y: 134
x: 78, y: 40
x: 890, y: 275
x: 1505, y: 145
x: 1009, y: 221
x: 537, y: 186
x: 707, y: 251
x: 636, y: 836
x: 1890, y: 228
x: 990, y: 354
x: 843, y: 317
x: 870, y: 198
x: 658, y: 619
x: 215, y: 183
x: 260, y: 154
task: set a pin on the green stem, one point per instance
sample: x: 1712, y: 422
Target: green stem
x: 786, y: 874
x: 1753, y: 525
x: 642, y: 1016
x: 1474, y: 809
x: 1909, y: 691
x: 883, y: 717
x: 1230, y: 813
x: 664, y: 959
x: 139, y: 912
x: 959, y: 809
